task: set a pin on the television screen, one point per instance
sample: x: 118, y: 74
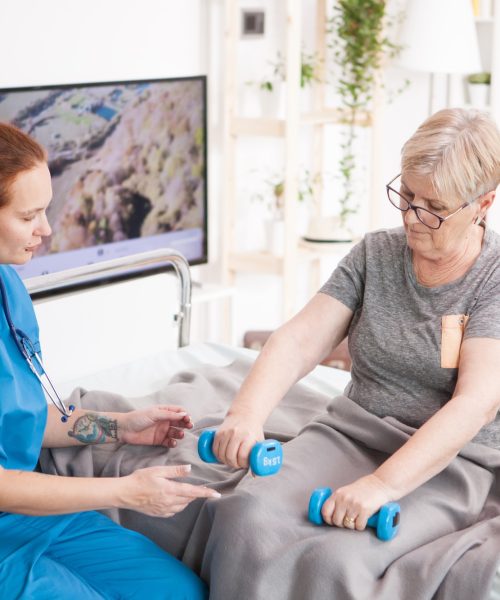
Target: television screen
x: 128, y: 164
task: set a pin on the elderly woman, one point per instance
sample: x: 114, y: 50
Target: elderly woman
x: 52, y: 542
x: 421, y: 307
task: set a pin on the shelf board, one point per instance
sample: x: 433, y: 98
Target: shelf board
x: 335, y: 116
x: 277, y: 127
x: 266, y: 127
x: 252, y: 262
x: 265, y: 262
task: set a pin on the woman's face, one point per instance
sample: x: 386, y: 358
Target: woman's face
x: 23, y: 220
x: 435, y: 243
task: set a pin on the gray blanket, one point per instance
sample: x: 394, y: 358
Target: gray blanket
x: 256, y: 543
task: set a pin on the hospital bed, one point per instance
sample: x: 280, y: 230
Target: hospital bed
x: 152, y: 371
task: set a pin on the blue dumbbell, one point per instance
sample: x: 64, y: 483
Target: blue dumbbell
x: 266, y: 457
x: 385, y: 521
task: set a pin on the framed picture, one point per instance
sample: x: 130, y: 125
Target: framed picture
x: 252, y: 23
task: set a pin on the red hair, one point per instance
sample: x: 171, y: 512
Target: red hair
x: 18, y: 153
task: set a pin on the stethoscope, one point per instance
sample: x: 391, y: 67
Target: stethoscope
x: 27, y: 349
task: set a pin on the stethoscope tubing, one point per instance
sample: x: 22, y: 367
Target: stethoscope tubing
x: 23, y: 342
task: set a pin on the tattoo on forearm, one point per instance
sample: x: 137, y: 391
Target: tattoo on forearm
x: 92, y: 428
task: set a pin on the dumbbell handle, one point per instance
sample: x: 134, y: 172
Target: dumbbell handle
x: 266, y: 457
x: 385, y: 521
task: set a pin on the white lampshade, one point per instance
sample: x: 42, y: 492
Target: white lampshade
x: 439, y: 36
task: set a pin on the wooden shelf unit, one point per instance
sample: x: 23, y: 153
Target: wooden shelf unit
x: 493, y: 23
x: 289, y: 129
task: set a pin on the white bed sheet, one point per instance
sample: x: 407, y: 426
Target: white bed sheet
x: 153, y: 372
x: 150, y: 374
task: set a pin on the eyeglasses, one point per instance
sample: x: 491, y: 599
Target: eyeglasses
x: 426, y: 217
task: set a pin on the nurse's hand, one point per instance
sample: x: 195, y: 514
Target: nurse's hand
x: 154, y: 426
x: 151, y: 491
x: 235, y: 439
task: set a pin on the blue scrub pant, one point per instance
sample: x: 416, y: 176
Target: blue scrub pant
x: 86, y: 555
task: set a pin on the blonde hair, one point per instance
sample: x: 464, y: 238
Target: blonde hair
x: 458, y: 150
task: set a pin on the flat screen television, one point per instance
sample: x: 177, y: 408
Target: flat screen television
x: 128, y: 161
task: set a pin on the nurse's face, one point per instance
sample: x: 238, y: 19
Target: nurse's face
x: 23, y: 220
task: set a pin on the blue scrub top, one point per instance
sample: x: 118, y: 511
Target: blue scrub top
x: 23, y: 408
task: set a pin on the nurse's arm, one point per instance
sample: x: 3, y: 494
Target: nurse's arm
x: 156, y: 425
x: 82, y: 427
x: 150, y: 490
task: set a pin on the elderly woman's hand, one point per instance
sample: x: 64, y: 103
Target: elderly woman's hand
x: 352, y: 505
x: 235, y: 439
x: 154, y: 426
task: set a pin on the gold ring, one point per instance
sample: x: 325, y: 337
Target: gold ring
x: 349, y: 522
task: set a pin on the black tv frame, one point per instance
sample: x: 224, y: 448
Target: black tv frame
x: 145, y: 271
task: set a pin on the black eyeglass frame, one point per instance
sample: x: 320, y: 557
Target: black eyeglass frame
x: 417, y: 208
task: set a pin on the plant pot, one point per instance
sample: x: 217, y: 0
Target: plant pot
x: 248, y: 103
x: 272, y: 104
x: 327, y: 230
x: 479, y: 94
x: 275, y: 236
x: 306, y: 101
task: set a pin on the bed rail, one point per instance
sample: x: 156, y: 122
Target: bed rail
x: 88, y: 273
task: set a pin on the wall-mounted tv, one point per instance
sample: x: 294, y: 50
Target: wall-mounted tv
x: 128, y: 161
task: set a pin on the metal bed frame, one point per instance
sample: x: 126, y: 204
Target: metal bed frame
x: 115, y: 266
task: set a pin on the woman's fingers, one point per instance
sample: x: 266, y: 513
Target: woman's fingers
x: 173, y: 409
x: 361, y: 522
x: 186, y: 490
x: 338, y: 516
x: 243, y: 453
x: 152, y: 491
x: 185, y: 422
x: 232, y: 451
x: 327, y: 511
x: 233, y: 447
x: 176, y: 414
x: 169, y: 471
x: 220, y: 446
x: 337, y: 513
x: 175, y: 433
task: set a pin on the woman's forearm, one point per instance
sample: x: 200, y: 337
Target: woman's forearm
x: 31, y: 493
x: 83, y: 427
x: 280, y: 364
x: 290, y: 353
x: 433, y: 446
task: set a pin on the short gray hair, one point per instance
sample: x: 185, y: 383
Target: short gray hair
x: 458, y: 150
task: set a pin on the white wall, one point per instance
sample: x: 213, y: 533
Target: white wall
x: 398, y: 120
x: 56, y: 41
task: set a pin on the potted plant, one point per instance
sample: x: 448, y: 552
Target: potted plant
x: 271, y: 86
x: 274, y: 226
x: 479, y: 89
x: 360, y: 46
x: 322, y: 228
x: 273, y: 194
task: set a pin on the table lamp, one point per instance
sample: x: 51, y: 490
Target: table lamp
x: 439, y: 36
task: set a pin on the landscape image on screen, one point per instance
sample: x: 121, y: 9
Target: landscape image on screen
x: 128, y: 168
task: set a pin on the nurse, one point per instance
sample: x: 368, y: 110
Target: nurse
x: 53, y: 544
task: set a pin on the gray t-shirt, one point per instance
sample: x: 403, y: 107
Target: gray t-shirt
x: 399, y: 367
